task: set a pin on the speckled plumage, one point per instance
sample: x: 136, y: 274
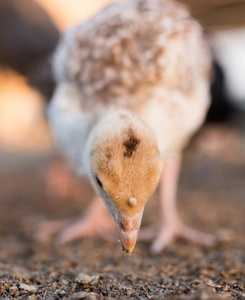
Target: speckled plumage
x: 146, y: 56
x: 133, y: 86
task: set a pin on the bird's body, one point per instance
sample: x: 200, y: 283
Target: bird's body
x: 132, y: 80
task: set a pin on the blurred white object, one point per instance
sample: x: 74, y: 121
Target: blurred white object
x: 229, y: 50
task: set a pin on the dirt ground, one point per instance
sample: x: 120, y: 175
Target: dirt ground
x: 211, y: 198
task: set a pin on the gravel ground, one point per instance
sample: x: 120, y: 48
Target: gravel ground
x: 211, y: 198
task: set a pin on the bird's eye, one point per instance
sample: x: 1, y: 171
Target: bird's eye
x: 98, y: 181
x: 121, y: 225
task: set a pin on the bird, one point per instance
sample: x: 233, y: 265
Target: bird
x: 28, y: 37
x: 132, y: 88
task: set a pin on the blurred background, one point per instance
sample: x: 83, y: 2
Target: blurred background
x: 30, y: 31
x: 214, y: 163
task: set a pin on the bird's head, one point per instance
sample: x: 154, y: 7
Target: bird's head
x: 125, y: 167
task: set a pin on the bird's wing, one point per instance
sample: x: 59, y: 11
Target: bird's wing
x: 128, y: 48
x: 70, y: 124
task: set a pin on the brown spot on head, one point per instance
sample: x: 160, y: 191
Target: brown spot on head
x: 108, y: 154
x: 130, y: 143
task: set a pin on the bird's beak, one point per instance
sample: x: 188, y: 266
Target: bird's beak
x: 128, y: 230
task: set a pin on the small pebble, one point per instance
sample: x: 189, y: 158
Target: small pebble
x: 28, y: 288
x: 85, y: 279
x: 85, y: 296
x: 64, y: 282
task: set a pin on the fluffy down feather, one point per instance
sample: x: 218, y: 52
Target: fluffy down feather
x: 148, y: 56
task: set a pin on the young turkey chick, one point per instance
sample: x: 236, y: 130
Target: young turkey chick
x: 133, y: 86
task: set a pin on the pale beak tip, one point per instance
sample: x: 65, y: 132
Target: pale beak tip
x: 128, y: 241
x: 128, y: 251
